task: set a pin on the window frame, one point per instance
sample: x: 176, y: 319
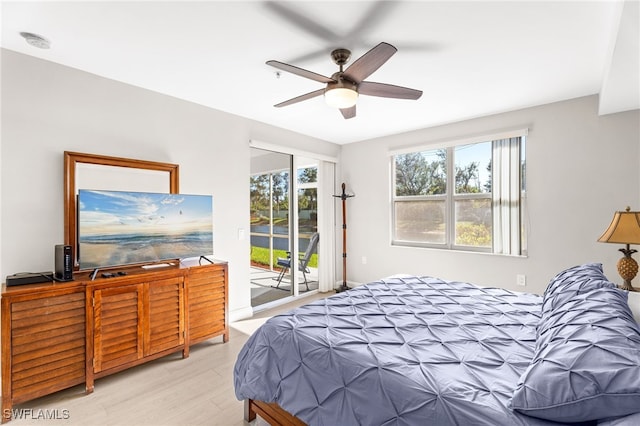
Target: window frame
x: 451, y: 197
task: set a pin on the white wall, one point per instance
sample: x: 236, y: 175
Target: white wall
x: 48, y: 109
x: 580, y: 169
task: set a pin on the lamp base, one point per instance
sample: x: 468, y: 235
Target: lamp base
x: 627, y: 268
x: 627, y: 286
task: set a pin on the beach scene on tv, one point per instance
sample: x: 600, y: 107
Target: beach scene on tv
x: 122, y: 228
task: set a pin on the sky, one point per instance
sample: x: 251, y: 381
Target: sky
x: 122, y: 212
x: 465, y: 154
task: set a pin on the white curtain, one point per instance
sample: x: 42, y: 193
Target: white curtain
x: 326, y: 226
x: 506, y: 196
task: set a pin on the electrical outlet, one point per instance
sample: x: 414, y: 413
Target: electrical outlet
x: 364, y: 260
x: 521, y: 280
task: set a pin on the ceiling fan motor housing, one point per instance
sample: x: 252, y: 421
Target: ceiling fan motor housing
x: 341, y: 83
x: 341, y: 56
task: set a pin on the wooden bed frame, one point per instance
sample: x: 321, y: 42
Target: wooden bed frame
x: 270, y: 412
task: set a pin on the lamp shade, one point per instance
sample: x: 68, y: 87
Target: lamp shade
x: 624, y: 228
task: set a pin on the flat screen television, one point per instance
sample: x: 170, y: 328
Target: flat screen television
x: 118, y: 228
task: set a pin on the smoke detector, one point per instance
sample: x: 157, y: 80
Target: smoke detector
x: 36, y: 40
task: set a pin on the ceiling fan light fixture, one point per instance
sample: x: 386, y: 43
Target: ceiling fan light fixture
x: 341, y: 94
x: 340, y: 97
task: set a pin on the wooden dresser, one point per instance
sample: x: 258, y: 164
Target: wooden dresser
x: 58, y: 335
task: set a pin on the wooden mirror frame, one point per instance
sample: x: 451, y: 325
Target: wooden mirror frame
x: 71, y: 160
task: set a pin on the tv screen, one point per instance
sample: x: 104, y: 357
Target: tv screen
x: 122, y: 228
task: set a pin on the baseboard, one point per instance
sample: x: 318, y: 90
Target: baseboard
x: 240, y: 314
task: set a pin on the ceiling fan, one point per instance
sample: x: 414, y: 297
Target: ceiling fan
x: 342, y: 88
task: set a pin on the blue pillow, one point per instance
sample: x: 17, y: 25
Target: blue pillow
x: 586, y: 363
x: 631, y: 420
x: 577, y: 279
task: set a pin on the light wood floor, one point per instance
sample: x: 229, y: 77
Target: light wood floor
x: 168, y: 391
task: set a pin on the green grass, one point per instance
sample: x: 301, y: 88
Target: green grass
x: 261, y: 255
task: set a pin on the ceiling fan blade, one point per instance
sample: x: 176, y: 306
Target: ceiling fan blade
x: 373, y: 16
x: 300, y: 71
x: 420, y: 47
x: 388, y: 90
x: 348, y: 113
x: 310, y: 56
x: 305, y: 23
x: 301, y: 98
x: 368, y: 63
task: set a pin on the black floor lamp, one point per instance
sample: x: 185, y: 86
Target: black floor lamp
x: 344, y: 197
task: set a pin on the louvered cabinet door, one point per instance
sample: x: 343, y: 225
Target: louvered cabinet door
x: 207, y: 301
x: 118, y: 333
x: 166, y: 315
x: 47, y: 345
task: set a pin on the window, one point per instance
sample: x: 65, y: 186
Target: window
x: 468, y: 196
x: 308, y: 200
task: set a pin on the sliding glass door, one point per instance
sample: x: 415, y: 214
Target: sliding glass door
x: 278, y: 230
x: 270, y: 188
x: 308, y: 240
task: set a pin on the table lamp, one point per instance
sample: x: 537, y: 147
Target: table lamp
x: 624, y: 229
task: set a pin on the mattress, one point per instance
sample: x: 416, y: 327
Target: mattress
x: 402, y: 351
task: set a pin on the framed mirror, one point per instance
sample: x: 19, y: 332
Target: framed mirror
x: 90, y: 171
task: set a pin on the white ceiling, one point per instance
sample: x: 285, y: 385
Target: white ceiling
x: 469, y: 58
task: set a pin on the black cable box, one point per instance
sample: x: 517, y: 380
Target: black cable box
x: 29, y: 278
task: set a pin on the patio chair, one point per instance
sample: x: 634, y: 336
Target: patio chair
x: 303, y: 261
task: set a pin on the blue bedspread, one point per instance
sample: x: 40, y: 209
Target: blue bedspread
x: 401, y: 351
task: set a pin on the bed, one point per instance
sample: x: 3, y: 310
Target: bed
x: 411, y: 350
